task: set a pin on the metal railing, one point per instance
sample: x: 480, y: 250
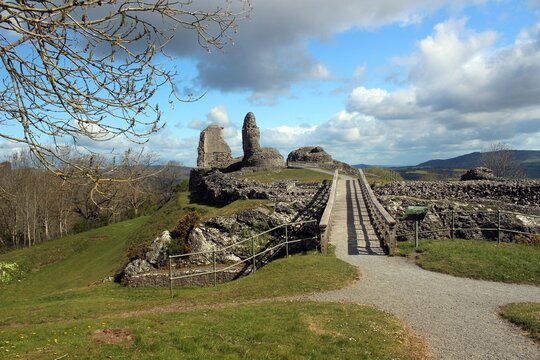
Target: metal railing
x: 448, y: 218
x: 383, y: 223
x: 325, y: 223
x: 250, y: 260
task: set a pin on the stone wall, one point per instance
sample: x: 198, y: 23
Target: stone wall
x: 213, y: 151
x: 474, y: 203
x: 161, y: 278
x: 217, y: 187
x: 521, y: 193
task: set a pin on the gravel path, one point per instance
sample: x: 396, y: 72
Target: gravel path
x: 458, y: 316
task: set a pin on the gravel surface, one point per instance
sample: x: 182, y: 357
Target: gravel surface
x: 458, y: 316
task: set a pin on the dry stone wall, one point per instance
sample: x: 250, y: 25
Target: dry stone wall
x: 474, y: 203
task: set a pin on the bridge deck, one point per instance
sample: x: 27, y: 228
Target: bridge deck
x: 351, y: 222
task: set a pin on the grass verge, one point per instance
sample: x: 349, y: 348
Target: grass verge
x: 292, y: 330
x: 302, y: 175
x: 478, y: 259
x: 525, y: 315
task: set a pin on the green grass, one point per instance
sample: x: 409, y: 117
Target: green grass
x: 59, y: 309
x: 168, y: 215
x: 479, y: 259
x: 302, y: 175
x: 286, y: 330
x: 377, y: 175
x: 525, y: 315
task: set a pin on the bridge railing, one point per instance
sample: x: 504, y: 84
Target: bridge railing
x: 383, y: 223
x: 324, y: 224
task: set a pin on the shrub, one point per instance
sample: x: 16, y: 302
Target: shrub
x: 138, y: 251
x: 9, y: 272
x: 180, y: 233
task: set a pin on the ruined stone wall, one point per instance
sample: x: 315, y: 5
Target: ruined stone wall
x: 474, y: 203
x: 217, y: 187
x: 213, y: 151
x: 254, y: 154
x: 524, y: 192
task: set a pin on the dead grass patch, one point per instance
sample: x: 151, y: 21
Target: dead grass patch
x: 121, y: 337
x: 316, y: 326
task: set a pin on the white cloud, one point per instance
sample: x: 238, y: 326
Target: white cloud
x: 270, y: 52
x: 463, y: 93
x: 216, y: 116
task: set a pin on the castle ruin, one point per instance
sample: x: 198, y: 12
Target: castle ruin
x: 214, y: 152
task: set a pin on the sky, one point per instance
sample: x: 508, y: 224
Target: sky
x: 373, y: 82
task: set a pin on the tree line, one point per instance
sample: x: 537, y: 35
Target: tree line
x: 37, y: 205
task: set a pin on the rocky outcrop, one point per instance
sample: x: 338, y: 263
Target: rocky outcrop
x: 478, y: 173
x: 153, y: 259
x: 310, y: 154
x: 213, y: 151
x: 254, y: 154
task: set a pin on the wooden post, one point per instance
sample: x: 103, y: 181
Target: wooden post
x: 453, y: 225
x: 498, y: 226
x: 214, y: 261
x: 416, y: 234
x: 170, y: 278
x: 286, y: 242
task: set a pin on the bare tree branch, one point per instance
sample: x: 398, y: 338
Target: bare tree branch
x: 80, y: 70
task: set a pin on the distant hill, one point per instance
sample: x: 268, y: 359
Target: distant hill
x: 460, y: 162
x: 529, y: 159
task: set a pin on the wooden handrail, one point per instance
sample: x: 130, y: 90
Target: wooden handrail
x: 324, y: 224
x: 383, y: 223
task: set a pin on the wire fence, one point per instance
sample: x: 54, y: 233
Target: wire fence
x: 493, y: 224
x: 251, y: 252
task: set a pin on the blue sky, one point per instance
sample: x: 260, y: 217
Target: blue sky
x: 385, y: 82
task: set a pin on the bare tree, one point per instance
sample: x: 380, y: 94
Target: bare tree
x: 85, y: 70
x: 499, y: 157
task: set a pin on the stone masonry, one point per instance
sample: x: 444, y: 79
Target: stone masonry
x: 254, y: 155
x: 213, y: 151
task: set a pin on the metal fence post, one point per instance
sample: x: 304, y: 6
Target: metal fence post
x: 214, y: 261
x: 286, y: 241
x: 498, y: 226
x: 453, y: 225
x: 416, y: 234
x: 253, y: 253
x: 170, y: 277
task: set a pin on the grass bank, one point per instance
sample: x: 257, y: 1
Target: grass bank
x: 525, y: 315
x: 478, y: 259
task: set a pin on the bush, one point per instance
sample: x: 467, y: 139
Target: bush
x: 138, y: 251
x: 180, y: 233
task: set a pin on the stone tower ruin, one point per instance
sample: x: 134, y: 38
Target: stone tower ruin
x: 213, y: 151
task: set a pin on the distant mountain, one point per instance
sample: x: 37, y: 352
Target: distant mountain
x: 529, y: 159
x: 362, y: 166
x: 460, y: 162
x: 453, y: 167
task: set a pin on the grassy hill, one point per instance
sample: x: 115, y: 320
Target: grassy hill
x: 59, y: 308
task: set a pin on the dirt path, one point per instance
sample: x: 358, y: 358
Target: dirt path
x: 458, y: 316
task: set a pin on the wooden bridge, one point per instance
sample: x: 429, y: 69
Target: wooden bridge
x: 354, y: 213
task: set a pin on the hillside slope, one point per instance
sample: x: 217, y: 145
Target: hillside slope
x: 529, y: 160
